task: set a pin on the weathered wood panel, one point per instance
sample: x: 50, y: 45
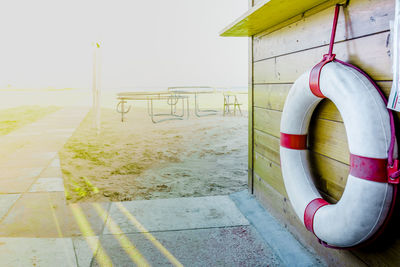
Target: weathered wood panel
x: 330, y: 175
x: 329, y: 138
x: 371, y: 53
x: 270, y: 172
x: 267, y: 120
x: 280, y: 57
x: 267, y: 145
x: 355, y: 21
x: 271, y: 96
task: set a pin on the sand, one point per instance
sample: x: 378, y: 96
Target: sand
x: 137, y: 159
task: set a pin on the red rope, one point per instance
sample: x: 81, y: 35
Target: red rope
x: 333, y: 33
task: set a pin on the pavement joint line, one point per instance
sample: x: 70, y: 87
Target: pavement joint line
x: 11, y: 207
x: 76, y: 256
x: 106, y: 219
x: 179, y: 230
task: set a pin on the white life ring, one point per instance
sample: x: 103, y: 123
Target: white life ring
x: 364, y: 204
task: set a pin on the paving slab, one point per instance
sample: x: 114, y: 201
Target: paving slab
x: 20, y: 172
x: 40, y: 125
x: 43, y: 252
x: 42, y: 156
x: 51, y: 171
x: 6, y: 202
x: 231, y: 246
x: 21, y: 159
x: 61, y: 131
x: 18, y: 180
x: 176, y: 214
x: 48, y: 215
x: 25, y: 134
x: 53, y: 184
x: 40, y: 144
x: 55, y: 163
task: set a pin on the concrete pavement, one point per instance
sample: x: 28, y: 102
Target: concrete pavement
x: 38, y: 227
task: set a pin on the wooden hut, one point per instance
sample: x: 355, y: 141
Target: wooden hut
x: 286, y: 38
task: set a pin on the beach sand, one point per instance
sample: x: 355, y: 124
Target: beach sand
x: 137, y: 159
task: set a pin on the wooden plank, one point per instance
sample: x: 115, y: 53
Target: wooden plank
x: 328, y: 169
x: 271, y: 96
x: 262, y: 189
x: 267, y: 121
x: 360, y: 18
x: 371, y: 53
x: 329, y: 138
x: 330, y: 176
x: 269, y: 13
x: 327, y: 110
x: 267, y: 145
x: 270, y: 172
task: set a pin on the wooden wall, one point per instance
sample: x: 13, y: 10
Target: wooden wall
x: 277, y: 59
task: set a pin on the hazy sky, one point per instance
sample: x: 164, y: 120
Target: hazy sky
x: 145, y: 43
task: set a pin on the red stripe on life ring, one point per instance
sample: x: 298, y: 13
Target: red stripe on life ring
x: 310, y: 211
x: 294, y: 141
x: 371, y: 169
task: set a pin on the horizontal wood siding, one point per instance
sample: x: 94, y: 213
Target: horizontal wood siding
x: 279, y: 58
x: 371, y: 52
